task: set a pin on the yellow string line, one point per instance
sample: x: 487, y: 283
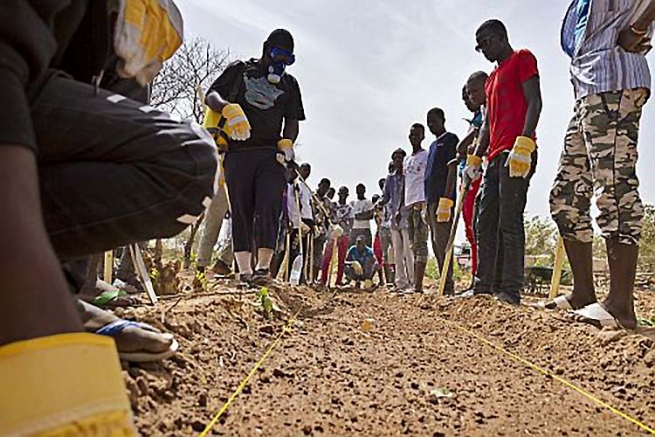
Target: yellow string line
x: 285, y: 329
x: 555, y: 377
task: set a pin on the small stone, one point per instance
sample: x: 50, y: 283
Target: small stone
x: 198, y: 426
x: 307, y: 430
x: 202, y: 400
x: 649, y: 359
x: 267, y: 329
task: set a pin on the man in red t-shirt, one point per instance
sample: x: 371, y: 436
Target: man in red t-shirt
x: 508, y: 139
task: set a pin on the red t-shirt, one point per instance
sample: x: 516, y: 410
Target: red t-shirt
x: 506, y: 103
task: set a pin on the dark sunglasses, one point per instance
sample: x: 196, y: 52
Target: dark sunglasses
x: 484, y: 43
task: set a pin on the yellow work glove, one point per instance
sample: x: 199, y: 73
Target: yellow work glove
x: 286, y: 146
x: 146, y: 33
x: 357, y: 268
x: 237, y: 125
x: 212, y: 123
x: 304, y: 229
x: 63, y: 385
x: 443, y: 210
x: 473, y: 169
x: 519, y: 160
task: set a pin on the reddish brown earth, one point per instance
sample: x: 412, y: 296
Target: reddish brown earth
x: 328, y: 377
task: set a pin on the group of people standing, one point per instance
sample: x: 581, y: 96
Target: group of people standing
x: 87, y: 166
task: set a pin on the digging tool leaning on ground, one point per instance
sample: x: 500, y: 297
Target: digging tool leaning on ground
x: 444, y: 215
x: 612, y: 82
x: 66, y: 144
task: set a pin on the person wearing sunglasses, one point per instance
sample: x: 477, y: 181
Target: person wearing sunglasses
x: 607, y: 42
x: 256, y: 106
x: 508, y: 139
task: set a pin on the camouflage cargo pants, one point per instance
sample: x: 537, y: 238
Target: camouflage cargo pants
x: 600, y: 155
x: 418, y: 232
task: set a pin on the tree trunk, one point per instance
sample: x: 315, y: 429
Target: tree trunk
x: 188, y: 247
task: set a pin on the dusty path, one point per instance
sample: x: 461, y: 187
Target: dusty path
x: 329, y: 378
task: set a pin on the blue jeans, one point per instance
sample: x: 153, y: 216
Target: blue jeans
x: 501, y: 235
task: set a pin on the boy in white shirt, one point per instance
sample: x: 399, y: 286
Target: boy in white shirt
x: 414, y: 167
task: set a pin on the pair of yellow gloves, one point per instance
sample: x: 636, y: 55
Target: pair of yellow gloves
x: 232, y: 122
x: 519, y: 162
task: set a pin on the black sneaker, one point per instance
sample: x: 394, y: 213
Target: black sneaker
x: 507, y: 298
x: 262, y: 277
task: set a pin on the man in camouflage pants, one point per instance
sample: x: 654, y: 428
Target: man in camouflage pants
x: 612, y: 83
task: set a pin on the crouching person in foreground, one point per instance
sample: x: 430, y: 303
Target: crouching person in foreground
x: 83, y: 169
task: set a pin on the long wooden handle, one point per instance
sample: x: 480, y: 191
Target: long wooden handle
x: 560, y: 253
x: 451, y: 238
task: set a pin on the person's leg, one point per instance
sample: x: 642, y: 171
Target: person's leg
x: 269, y: 188
x: 113, y: 171
x: 440, y: 237
x: 327, y: 258
x: 368, y: 236
x: 402, y: 281
x: 318, y: 246
x: 377, y: 250
x: 611, y: 125
x: 240, y: 173
x: 343, y: 243
x: 513, y: 193
x: 421, y: 236
x: 408, y: 254
x: 468, y: 214
x: 487, y: 227
x: 212, y: 227
x: 385, y: 243
x: 432, y: 224
x: 570, y: 202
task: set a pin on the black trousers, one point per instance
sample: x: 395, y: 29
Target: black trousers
x: 113, y: 171
x: 255, y: 182
x: 501, y: 235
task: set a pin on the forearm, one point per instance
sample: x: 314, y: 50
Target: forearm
x: 463, y: 145
x: 215, y: 102
x: 451, y: 181
x: 532, y: 118
x: 291, y: 129
x: 34, y: 300
x: 483, y: 141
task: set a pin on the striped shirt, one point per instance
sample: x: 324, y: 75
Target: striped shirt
x: 598, y: 64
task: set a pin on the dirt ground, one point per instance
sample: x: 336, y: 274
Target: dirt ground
x: 415, y: 372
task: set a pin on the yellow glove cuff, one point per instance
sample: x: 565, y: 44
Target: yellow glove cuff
x: 445, y: 203
x: 473, y: 160
x: 63, y: 385
x: 211, y: 119
x: 525, y: 143
x: 284, y: 144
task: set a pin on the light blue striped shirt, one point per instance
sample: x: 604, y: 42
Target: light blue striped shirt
x: 598, y: 64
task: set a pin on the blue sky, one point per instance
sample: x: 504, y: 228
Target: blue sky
x: 369, y: 69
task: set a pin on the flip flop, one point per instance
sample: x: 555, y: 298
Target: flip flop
x: 595, y: 315
x: 114, y: 328
x: 559, y: 303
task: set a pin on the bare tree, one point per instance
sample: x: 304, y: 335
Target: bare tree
x: 196, y: 63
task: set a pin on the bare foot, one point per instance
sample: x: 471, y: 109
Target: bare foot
x: 132, y: 338
x: 624, y: 313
